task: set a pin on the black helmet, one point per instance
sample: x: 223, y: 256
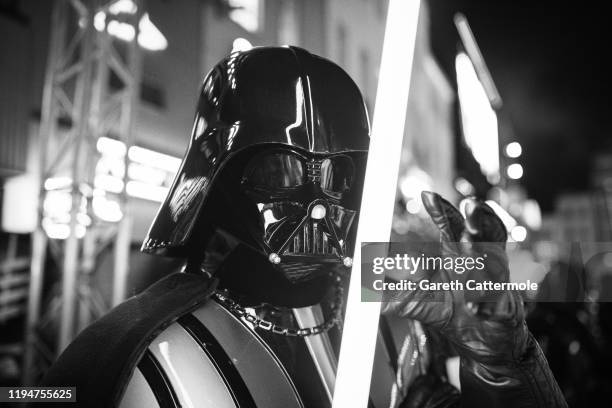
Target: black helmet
x: 275, y: 164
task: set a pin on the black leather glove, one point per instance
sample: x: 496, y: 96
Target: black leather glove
x: 429, y: 391
x: 501, y: 363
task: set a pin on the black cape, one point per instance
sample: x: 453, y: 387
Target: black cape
x: 100, y: 361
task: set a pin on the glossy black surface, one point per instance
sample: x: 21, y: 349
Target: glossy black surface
x: 283, y: 96
x: 286, y: 187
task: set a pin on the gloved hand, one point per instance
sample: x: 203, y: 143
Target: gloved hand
x: 429, y: 391
x: 501, y: 364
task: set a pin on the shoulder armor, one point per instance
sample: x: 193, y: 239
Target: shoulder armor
x: 209, y: 358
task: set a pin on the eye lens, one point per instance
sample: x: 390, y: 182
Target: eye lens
x: 275, y: 170
x: 337, y: 174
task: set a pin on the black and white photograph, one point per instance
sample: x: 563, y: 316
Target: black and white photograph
x: 305, y: 203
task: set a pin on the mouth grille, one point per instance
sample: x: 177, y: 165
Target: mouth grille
x: 311, y: 240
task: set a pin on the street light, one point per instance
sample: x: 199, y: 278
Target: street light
x: 149, y: 36
x: 515, y: 171
x: 478, y: 119
x: 514, y: 150
x: 518, y: 233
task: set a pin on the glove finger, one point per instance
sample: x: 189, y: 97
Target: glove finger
x: 482, y: 224
x: 487, y: 233
x: 447, y: 218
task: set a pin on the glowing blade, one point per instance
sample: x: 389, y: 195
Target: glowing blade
x: 361, y: 321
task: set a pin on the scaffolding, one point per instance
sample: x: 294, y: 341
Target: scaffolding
x: 91, y: 90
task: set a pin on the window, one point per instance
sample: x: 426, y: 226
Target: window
x: 246, y: 13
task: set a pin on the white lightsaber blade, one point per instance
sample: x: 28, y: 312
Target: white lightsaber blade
x: 361, y: 321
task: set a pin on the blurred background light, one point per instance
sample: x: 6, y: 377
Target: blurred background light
x: 241, y: 44
x: 106, y: 209
x: 464, y: 187
x: 20, y: 204
x: 506, y: 218
x: 83, y: 219
x: 56, y: 215
x: 61, y: 231
x: 413, y: 206
x: 607, y: 260
x: 149, y: 175
x: 56, y: 230
x: 123, y: 6
x: 478, y: 119
x: 411, y: 186
x: 154, y: 159
x: 532, y: 214
x: 110, y: 147
x: 518, y: 233
x: 514, y: 150
x: 110, y: 165
x: 515, y: 171
x: 58, y: 203
x: 149, y: 36
x: 100, y: 21
x: 149, y: 172
x: 245, y: 13
x: 56, y: 183
x: 146, y: 191
x: 108, y: 183
x: 121, y: 30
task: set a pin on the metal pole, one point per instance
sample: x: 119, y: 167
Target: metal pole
x: 39, y: 238
x: 77, y: 87
x: 82, y: 103
x: 128, y: 114
x: 121, y: 260
x: 88, y: 266
x: 39, y: 245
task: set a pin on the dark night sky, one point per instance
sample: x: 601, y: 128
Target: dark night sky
x: 549, y: 61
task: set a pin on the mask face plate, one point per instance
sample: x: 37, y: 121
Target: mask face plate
x: 307, y: 205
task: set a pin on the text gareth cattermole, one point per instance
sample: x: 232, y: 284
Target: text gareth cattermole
x: 412, y: 264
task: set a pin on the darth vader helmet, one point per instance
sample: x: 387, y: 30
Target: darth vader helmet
x: 270, y: 187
